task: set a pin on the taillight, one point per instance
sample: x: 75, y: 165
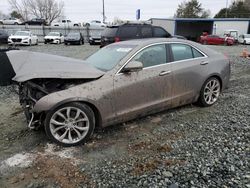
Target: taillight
x: 117, y: 39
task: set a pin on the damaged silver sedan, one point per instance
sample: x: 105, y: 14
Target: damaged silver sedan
x: 120, y: 82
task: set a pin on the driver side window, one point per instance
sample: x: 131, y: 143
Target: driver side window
x: 152, y: 56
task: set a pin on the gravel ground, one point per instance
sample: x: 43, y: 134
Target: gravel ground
x: 184, y: 147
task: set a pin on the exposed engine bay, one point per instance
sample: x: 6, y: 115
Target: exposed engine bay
x: 38, y: 75
x: 31, y: 91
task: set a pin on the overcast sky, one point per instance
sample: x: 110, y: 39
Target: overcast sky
x: 86, y: 10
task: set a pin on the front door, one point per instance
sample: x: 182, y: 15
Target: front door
x: 145, y: 91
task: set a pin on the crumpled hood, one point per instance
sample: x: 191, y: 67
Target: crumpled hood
x: 29, y: 65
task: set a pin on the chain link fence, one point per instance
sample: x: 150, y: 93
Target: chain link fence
x: 42, y: 31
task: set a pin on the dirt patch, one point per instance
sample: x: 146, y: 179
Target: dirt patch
x: 141, y: 168
x: 57, y: 171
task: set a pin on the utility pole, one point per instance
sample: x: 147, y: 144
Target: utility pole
x: 226, y: 8
x: 103, y: 12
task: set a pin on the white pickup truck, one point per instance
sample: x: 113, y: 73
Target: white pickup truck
x: 66, y: 23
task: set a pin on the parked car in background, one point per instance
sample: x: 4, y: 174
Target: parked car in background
x: 74, y: 38
x: 130, y: 31
x: 120, y: 82
x: 95, y: 38
x: 54, y: 38
x: 11, y: 21
x: 3, y: 37
x: 244, y: 39
x: 66, y: 23
x: 216, y: 40
x: 96, y: 23
x: 35, y: 21
x: 23, y: 38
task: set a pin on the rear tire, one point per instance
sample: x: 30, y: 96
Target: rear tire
x: 70, y: 124
x: 210, y: 92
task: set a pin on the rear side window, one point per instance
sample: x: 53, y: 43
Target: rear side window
x: 160, y: 32
x: 110, y: 32
x: 146, y: 32
x: 128, y: 31
x: 181, y: 52
x: 196, y: 53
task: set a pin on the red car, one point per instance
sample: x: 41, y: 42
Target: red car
x: 217, y: 40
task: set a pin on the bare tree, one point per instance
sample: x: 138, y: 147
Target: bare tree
x: 21, y: 7
x: 46, y: 9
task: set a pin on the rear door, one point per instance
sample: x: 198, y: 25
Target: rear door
x: 188, y: 66
x: 146, y: 31
x: 148, y: 90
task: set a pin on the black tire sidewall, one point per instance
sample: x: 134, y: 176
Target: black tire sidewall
x: 201, y: 100
x: 85, y: 108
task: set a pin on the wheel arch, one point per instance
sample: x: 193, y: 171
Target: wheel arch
x: 218, y: 77
x: 98, y: 116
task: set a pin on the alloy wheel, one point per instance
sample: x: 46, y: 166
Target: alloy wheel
x: 212, y: 91
x: 69, y: 125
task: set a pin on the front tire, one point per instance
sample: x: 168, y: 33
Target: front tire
x: 210, y: 92
x: 70, y: 124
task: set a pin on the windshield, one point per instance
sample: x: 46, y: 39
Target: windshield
x: 54, y: 34
x: 22, y: 33
x: 107, y: 58
x: 247, y: 36
x: 73, y: 35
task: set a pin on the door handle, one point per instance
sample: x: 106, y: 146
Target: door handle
x: 204, y: 63
x: 163, y: 73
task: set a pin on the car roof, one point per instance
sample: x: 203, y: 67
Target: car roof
x: 130, y: 24
x: 148, y: 41
x: 140, y: 43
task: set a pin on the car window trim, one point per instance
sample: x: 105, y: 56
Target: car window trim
x: 119, y: 71
x: 204, y: 55
x: 169, y: 50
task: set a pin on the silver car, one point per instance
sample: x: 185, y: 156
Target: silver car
x: 120, y: 82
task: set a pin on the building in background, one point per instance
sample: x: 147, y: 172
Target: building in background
x: 192, y: 28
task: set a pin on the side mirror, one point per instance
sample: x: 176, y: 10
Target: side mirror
x: 133, y: 66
